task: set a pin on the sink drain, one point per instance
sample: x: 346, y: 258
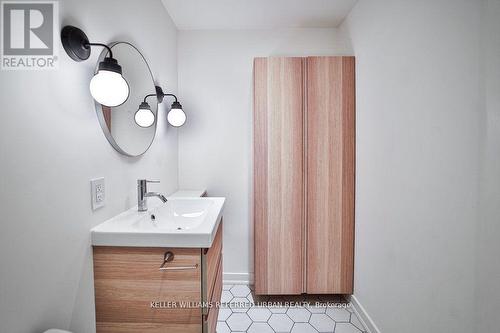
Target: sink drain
x: 179, y: 228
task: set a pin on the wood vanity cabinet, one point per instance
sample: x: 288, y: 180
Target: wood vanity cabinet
x: 132, y: 294
x: 304, y: 150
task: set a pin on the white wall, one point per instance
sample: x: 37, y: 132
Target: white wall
x: 420, y: 135
x: 488, y: 235
x: 215, y: 146
x: 418, y: 117
x: 51, y: 144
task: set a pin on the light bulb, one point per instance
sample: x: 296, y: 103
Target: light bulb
x: 144, y: 117
x: 109, y: 88
x: 176, y: 116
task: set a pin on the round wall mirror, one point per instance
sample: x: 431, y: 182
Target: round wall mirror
x: 119, y: 123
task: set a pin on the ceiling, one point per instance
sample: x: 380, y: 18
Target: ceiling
x: 257, y: 14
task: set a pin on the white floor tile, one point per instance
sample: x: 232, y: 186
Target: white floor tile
x: 239, y: 322
x: 338, y: 314
x: 224, y: 313
x: 345, y: 328
x: 313, y: 308
x: 299, y: 314
x: 240, y: 290
x: 227, y: 286
x: 243, y: 316
x: 278, y: 309
x: 303, y: 328
x: 280, y: 322
x: 260, y: 328
x: 261, y: 314
x: 239, y: 304
x: 322, y: 322
x: 222, y: 327
x: 226, y: 296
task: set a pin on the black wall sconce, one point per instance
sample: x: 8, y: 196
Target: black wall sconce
x: 144, y: 117
x: 108, y: 87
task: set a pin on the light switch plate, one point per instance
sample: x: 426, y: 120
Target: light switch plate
x: 97, y: 191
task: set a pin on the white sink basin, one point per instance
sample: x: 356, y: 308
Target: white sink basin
x: 180, y: 222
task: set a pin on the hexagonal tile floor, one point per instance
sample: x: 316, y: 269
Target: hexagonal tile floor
x: 242, y: 311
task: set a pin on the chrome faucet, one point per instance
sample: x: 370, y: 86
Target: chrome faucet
x: 143, y: 194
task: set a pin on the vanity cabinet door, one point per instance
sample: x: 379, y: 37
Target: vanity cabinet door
x: 129, y: 284
x: 278, y: 175
x: 330, y: 175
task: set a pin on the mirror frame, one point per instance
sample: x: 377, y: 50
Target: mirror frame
x: 100, y: 114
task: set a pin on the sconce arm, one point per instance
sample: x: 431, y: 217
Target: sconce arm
x: 170, y: 95
x: 87, y: 45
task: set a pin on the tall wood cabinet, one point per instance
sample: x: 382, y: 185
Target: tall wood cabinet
x: 304, y: 134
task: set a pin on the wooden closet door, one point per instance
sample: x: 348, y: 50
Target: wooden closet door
x: 278, y: 175
x: 330, y: 174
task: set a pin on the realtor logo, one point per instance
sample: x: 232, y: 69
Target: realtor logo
x: 29, y: 35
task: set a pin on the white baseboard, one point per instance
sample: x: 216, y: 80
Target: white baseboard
x: 237, y: 278
x: 363, y: 316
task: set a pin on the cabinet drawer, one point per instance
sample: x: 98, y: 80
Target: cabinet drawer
x: 210, y: 262
x: 210, y: 322
x: 129, y: 285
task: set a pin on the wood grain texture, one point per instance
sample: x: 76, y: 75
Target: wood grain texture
x: 330, y: 174
x: 260, y: 174
x: 127, y: 280
x: 211, y: 318
x: 120, y: 327
x: 278, y: 175
x: 211, y: 259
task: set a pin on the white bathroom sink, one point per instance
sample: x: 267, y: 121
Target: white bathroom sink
x: 180, y: 222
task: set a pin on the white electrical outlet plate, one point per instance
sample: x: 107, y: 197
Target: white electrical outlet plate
x: 97, y: 193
